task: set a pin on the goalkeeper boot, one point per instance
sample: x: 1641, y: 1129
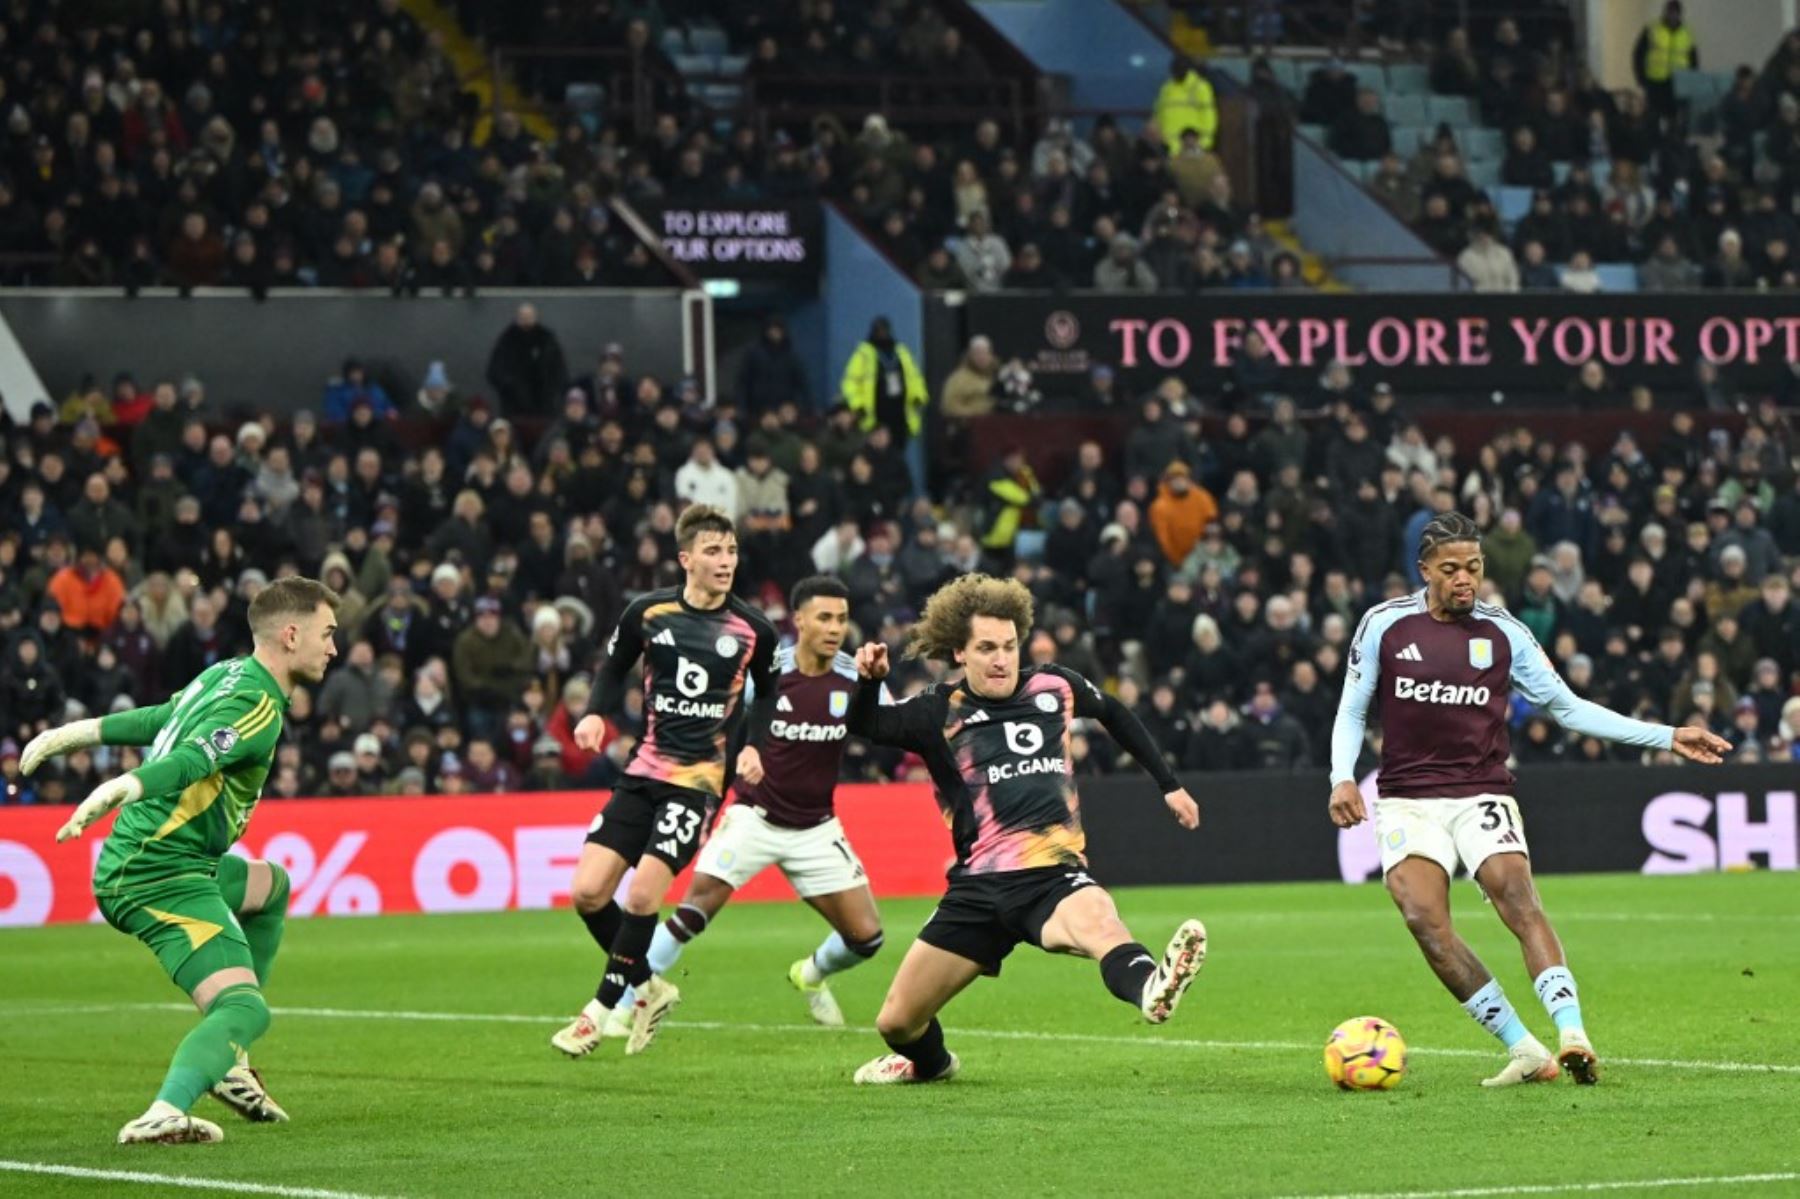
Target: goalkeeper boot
x: 242, y: 1091
x: 166, y: 1124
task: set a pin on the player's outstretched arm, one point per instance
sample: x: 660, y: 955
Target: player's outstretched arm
x: 1538, y: 682
x: 64, y: 739
x: 903, y: 726
x: 1124, y: 727
x: 113, y: 793
x: 1346, y: 806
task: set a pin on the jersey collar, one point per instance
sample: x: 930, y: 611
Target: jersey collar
x: 268, y: 681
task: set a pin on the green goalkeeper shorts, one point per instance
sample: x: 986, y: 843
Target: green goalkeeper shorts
x: 186, y: 923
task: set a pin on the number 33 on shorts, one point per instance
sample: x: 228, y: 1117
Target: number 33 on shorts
x: 679, y: 822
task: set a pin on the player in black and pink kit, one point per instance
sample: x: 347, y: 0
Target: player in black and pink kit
x: 782, y: 814
x: 701, y: 647
x: 997, y: 744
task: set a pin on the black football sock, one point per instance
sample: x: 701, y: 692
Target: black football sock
x: 927, y: 1054
x: 603, y: 925
x: 629, y: 963
x: 1126, y: 970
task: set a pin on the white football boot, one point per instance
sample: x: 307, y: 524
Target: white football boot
x: 1180, y: 964
x: 655, y: 1000
x: 1529, y: 1062
x: 242, y: 1091
x: 891, y: 1069
x: 165, y: 1124
x: 579, y: 1037
x: 1577, y: 1057
x: 819, y: 1000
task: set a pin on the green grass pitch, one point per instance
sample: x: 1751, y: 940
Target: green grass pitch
x: 1690, y: 986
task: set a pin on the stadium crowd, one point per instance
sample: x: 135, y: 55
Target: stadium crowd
x: 1212, y: 574
x: 334, y: 145
x: 1703, y: 192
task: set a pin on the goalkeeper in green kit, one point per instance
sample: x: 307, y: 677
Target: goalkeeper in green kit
x: 212, y: 919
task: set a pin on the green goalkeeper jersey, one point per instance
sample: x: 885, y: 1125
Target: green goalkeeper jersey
x: 211, y: 747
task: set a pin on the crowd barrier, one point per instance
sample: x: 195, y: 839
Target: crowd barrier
x: 499, y: 852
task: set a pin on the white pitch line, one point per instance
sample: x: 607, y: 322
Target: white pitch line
x: 991, y: 1034
x: 1568, y: 1188
x: 228, y: 1185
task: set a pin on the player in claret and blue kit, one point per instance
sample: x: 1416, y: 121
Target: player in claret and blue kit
x: 783, y: 814
x: 997, y: 744
x: 1441, y: 668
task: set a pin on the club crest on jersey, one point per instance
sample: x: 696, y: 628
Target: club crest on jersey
x: 1481, y: 653
x: 1046, y: 702
x: 727, y: 646
x: 224, y: 739
x: 840, y: 703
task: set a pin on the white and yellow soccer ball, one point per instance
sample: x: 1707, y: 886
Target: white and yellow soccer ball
x: 1365, y: 1053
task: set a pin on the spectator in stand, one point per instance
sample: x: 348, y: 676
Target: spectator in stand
x: 1121, y: 270
x: 1526, y: 164
x: 882, y: 385
x: 1729, y: 268
x: 1330, y: 93
x: 1579, y: 276
x: 1184, y: 102
x: 982, y: 253
x: 1454, y: 69
x: 1664, y: 46
x: 1181, y: 512
x: 526, y: 367
x: 1361, y: 132
x: 1487, y: 262
x: 1668, y: 269
x: 771, y: 373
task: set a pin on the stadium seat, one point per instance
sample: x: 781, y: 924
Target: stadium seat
x: 1029, y: 544
x: 1408, y: 138
x: 1315, y: 133
x: 1693, y: 85
x: 694, y: 64
x: 733, y: 64
x: 719, y: 95
x: 1408, y: 79
x: 1617, y: 276
x: 1456, y: 111
x: 1479, y: 142
x: 584, y: 97
x: 1601, y: 170
x: 1231, y: 66
x: 1292, y: 73
x: 1369, y: 74
x: 1510, y: 203
x: 708, y: 39
x: 1482, y: 173
x: 674, y: 41
x: 1404, y: 110
x: 1560, y: 170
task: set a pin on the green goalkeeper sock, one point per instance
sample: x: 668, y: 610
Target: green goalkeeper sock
x: 235, y: 1019
x: 262, y: 929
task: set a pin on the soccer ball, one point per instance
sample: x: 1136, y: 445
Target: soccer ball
x: 1365, y: 1054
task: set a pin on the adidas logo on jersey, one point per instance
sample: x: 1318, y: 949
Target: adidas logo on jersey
x: 782, y: 705
x: 1410, y: 654
x: 666, y: 637
x: 979, y: 716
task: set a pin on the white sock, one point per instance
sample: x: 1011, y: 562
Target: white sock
x: 593, y: 1011
x: 831, y: 956
x: 665, y: 950
x: 1556, y: 988
x: 161, y: 1108
x: 1494, y: 1012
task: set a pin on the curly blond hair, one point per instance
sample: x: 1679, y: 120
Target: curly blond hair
x: 944, y: 626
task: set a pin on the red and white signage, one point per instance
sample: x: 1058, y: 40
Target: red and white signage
x: 478, y: 853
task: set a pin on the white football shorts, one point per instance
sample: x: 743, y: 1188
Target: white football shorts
x: 1446, y: 831
x: 817, y: 860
